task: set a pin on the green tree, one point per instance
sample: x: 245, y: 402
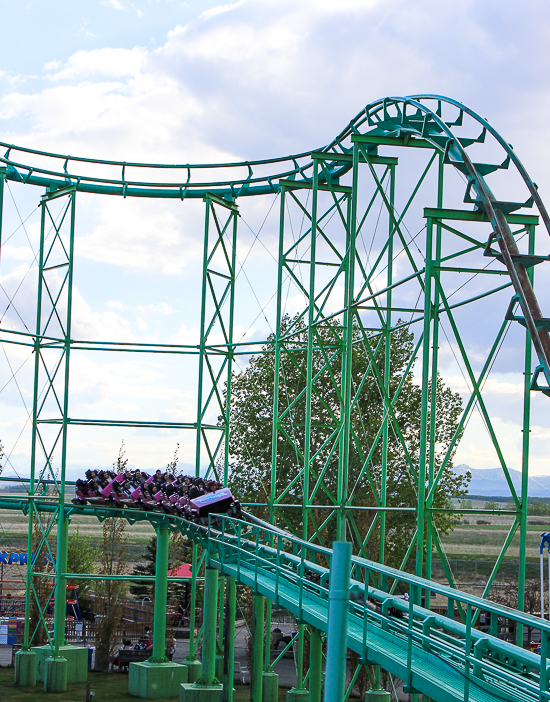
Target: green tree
x: 82, y: 557
x: 491, y: 504
x: 110, y: 593
x: 251, y: 435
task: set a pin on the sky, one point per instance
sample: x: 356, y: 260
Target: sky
x: 171, y: 81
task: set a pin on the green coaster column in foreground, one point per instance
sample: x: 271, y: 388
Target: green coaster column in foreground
x: 192, y: 664
x: 207, y: 688
x: 158, y: 677
x: 257, y: 633
x: 229, y: 639
x: 161, y: 587
x: 340, y: 566
x: 55, y: 666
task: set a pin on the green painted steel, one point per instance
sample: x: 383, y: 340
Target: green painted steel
x: 315, y: 665
x: 337, y: 621
x: 161, y: 583
x: 349, y: 300
x: 229, y: 639
x: 257, y: 634
x: 208, y: 676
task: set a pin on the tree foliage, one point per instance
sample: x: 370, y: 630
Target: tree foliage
x: 82, y: 557
x: 250, y: 443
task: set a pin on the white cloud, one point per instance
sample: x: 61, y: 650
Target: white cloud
x: 159, y: 308
x: 116, y: 305
x: 115, y: 4
x: 491, y: 386
x: 142, y: 236
x: 98, y: 63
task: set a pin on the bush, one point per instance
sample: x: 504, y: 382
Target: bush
x: 482, y: 521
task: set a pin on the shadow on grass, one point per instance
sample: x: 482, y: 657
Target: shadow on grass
x: 107, y: 688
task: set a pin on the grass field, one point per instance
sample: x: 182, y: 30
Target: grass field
x: 107, y: 688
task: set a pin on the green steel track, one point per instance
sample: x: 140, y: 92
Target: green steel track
x: 434, y: 654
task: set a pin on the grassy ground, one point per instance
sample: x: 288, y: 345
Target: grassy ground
x: 107, y: 688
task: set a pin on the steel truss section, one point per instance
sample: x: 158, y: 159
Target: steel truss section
x: 216, y: 354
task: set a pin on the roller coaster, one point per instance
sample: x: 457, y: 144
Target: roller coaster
x: 350, y: 298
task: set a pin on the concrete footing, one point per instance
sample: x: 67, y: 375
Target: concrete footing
x: 156, y: 680
x: 76, y: 656
x: 25, y: 669
x: 377, y: 696
x: 270, y: 687
x: 194, y: 670
x: 294, y: 695
x: 201, y: 693
x: 55, y: 674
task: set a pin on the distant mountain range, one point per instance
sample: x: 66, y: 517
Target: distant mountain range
x: 491, y: 482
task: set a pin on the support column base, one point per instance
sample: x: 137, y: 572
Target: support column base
x: 155, y: 680
x: 270, y: 687
x: 219, y: 667
x: 25, y: 669
x: 77, y: 657
x: 377, y: 696
x: 55, y: 674
x: 295, y: 695
x: 194, y: 670
x: 201, y: 693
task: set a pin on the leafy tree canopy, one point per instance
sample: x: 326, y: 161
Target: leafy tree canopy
x: 250, y: 444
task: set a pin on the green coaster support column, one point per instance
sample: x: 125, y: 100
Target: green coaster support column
x: 161, y: 588
x: 270, y: 679
x: 335, y: 680
x: 229, y: 639
x: 315, y: 665
x: 55, y: 666
x: 208, y: 676
x: 257, y: 634
x: 207, y: 688
x: 158, y: 677
x: 295, y: 694
x: 191, y: 662
x: 377, y: 694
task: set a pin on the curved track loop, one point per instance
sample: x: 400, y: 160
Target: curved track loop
x: 397, y: 121
x: 447, y: 659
